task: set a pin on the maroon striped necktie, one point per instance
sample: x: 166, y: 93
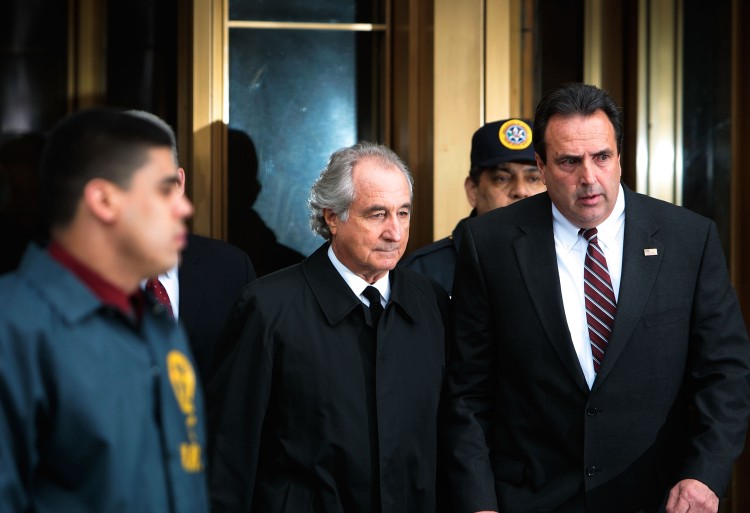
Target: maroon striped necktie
x: 158, y: 292
x: 599, y: 295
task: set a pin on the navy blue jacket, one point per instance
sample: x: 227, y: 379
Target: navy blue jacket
x: 96, y: 414
x: 438, y: 259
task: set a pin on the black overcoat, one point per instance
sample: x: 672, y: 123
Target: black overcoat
x: 291, y: 429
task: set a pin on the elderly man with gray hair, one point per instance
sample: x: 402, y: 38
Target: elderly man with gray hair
x: 329, y: 400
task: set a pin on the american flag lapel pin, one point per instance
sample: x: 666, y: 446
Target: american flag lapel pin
x: 650, y: 252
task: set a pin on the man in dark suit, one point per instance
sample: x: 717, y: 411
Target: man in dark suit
x: 602, y: 373
x: 329, y: 401
x: 209, y: 279
x: 211, y: 275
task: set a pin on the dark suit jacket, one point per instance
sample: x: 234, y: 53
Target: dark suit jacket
x: 291, y: 411
x: 212, y: 273
x: 671, y: 400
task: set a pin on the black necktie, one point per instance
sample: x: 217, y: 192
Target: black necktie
x: 369, y: 357
x: 376, y: 308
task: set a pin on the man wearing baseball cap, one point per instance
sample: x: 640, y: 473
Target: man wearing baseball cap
x: 503, y: 171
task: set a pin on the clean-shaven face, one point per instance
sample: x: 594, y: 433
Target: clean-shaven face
x: 151, y: 229
x: 373, y: 238
x: 582, y: 173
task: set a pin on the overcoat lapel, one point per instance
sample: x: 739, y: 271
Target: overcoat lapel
x: 337, y: 300
x: 537, y: 261
x: 333, y: 295
x: 640, y: 267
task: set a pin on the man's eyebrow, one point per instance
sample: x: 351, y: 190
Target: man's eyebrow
x: 606, y: 151
x: 567, y: 156
x: 373, y: 208
x: 377, y: 208
x: 171, y: 180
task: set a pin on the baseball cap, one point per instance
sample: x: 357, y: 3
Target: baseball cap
x: 507, y: 140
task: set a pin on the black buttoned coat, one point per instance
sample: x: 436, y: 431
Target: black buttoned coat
x: 290, y: 416
x: 671, y: 399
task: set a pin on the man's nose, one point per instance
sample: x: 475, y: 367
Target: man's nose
x: 520, y: 189
x: 393, y: 229
x: 184, y: 207
x: 586, y: 171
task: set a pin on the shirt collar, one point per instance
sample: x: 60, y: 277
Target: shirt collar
x: 171, y: 273
x: 168, y: 275
x: 356, y: 283
x: 566, y: 233
x: 105, y: 291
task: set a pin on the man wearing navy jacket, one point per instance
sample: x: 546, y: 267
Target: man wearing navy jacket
x: 503, y: 171
x: 99, y: 405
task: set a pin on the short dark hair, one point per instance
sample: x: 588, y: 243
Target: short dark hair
x: 574, y: 99
x: 93, y: 143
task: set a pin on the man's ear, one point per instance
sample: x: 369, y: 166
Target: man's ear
x: 181, y: 185
x: 332, y: 220
x: 471, y: 191
x: 100, y: 198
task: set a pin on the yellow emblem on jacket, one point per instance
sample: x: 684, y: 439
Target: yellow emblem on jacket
x: 182, y: 378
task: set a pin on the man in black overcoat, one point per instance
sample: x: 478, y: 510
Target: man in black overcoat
x: 329, y: 399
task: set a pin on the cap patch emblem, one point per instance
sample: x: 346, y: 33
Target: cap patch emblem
x: 515, y: 134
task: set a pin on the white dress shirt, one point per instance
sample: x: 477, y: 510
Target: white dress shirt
x: 571, y: 253
x: 357, y: 284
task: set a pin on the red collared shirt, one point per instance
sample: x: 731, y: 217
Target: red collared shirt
x: 107, y: 293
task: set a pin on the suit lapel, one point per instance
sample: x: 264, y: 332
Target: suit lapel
x: 639, y: 271
x: 535, y: 251
x: 191, y: 286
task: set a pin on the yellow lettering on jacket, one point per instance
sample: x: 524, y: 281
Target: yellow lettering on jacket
x: 191, y: 457
x: 182, y: 378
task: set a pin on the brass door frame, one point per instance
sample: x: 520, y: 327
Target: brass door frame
x: 483, y: 55
x: 208, y: 114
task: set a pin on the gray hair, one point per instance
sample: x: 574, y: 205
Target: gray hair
x: 334, y: 188
x: 156, y: 120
